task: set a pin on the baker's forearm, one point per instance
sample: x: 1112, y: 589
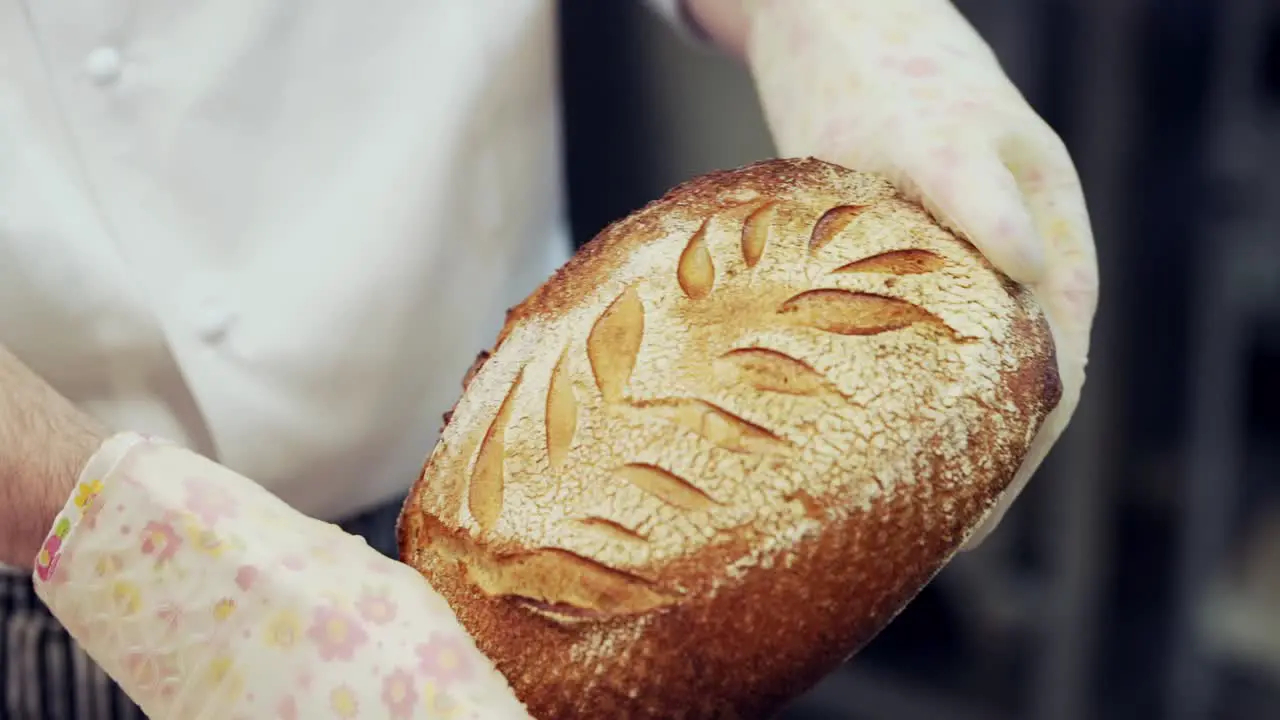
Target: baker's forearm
x: 44, y: 442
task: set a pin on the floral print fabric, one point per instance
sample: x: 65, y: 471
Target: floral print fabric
x: 205, y: 596
x: 908, y: 89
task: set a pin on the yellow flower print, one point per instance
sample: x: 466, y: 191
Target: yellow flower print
x: 219, y: 668
x: 220, y: 675
x: 336, y: 599
x: 87, y: 491
x: 926, y: 93
x: 323, y: 555
x: 344, y: 702
x: 203, y: 539
x: 439, y: 704
x: 126, y: 597
x: 283, y: 630
x: 896, y: 35
x: 223, y: 609
x: 107, y: 565
x: 1060, y: 229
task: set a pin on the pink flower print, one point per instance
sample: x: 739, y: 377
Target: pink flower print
x: 90, y: 517
x: 919, y: 67
x: 336, y: 634
x: 399, y: 695
x: 947, y: 156
x: 151, y: 672
x: 60, y: 574
x: 47, y: 559
x: 444, y: 658
x: 161, y: 540
x: 287, y: 708
x: 246, y: 576
x: 376, y: 608
x: 169, y: 617
x: 209, y: 501
x: 294, y: 563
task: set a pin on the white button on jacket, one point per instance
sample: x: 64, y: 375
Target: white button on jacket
x: 276, y: 232
x: 103, y: 65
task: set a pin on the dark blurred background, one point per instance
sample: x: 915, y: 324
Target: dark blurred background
x: 1139, y: 577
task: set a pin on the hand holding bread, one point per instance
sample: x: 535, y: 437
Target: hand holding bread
x: 724, y: 445
x: 910, y: 91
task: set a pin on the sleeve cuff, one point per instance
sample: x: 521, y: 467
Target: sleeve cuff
x: 90, y: 483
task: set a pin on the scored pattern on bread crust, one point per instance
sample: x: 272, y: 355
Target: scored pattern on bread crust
x: 831, y: 224
x: 857, y: 313
x: 696, y: 270
x: 897, y: 262
x: 488, y: 475
x: 772, y: 371
x: 614, y: 343
x: 755, y: 232
x: 786, y: 377
x: 613, y: 348
x: 562, y: 413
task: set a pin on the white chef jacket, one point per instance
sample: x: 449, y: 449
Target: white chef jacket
x: 277, y: 232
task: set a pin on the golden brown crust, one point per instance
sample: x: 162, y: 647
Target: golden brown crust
x: 724, y: 445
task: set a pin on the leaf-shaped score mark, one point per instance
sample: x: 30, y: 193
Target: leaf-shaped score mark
x: 488, y: 478
x: 552, y: 581
x: 614, y: 343
x: 611, y: 530
x: 696, y: 272
x: 831, y: 224
x: 771, y: 371
x: 666, y: 486
x: 896, y: 262
x: 755, y: 233
x: 562, y: 413
x: 854, y: 313
x: 717, y: 425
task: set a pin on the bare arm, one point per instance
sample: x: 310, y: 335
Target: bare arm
x: 44, y: 442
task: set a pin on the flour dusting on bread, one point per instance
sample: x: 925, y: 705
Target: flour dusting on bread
x: 720, y: 448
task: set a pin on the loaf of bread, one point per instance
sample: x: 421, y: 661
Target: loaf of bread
x: 724, y: 445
